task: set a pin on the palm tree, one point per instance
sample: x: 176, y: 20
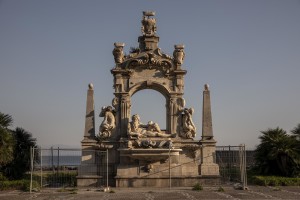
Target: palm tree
x: 277, y: 154
x: 6, y: 139
x: 296, y: 131
x: 21, y: 162
x: 296, y: 134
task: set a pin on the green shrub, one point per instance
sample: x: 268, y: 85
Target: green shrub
x: 275, y: 181
x: 2, y: 177
x: 197, y: 187
x: 19, y: 185
x: 62, y: 179
x: 221, y: 189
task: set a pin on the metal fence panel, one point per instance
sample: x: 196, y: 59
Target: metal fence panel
x: 58, y: 167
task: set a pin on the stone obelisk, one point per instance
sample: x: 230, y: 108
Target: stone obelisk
x: 89, y: 130
x: 87, y: 171
x: 207, y: 130
x: 208, y: 167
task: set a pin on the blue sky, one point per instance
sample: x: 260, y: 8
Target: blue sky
x: 247, y: 51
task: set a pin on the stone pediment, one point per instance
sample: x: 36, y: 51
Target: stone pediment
x: 153, y: 59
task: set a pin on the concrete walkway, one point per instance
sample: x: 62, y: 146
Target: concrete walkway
x: 254, y: 192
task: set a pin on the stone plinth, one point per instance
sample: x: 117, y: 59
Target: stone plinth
x: 165, y: 181
x: 208, y: 167
x: 149, y: 155
x: 88, y: 181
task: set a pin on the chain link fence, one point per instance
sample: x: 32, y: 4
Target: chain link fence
x: 59, y: 167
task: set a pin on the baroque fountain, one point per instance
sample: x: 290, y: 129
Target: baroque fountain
x: 142, y: 154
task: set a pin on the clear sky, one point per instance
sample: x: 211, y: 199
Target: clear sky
x: 248, y: 51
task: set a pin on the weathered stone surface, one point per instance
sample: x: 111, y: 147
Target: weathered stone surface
x: 89, y: 130
x: 207, y: 130
x: 142, y: 155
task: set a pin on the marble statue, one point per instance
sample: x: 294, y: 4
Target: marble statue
x: 136, y: 129
x: 149, y: 24
x: 108, y: 123
x: 118, y: 52
x: 178, y: 54
x: 188, y: 127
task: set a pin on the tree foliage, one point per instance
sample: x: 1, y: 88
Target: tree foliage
x: 21, y: 162
x: 278, y: 153
x: 296, y: 131
x: 14, y: 149
x: 6, y: 139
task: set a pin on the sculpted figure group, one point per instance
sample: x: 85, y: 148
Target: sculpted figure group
x: 108, y: 124
x: 188, y: 129
x: 136, y: 129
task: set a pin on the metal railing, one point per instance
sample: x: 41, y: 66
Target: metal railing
x: 59, y: 167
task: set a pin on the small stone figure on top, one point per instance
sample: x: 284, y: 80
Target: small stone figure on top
x: 179, y: 54
x: 149, y: 24
x: 118, y: 52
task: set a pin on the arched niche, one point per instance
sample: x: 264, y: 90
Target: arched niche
x: 150, y: 105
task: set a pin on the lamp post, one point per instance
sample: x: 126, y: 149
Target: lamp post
x: 170, y: 146
x: 107, y: 188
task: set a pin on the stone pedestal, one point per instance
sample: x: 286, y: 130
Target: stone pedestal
x: 208, y: 167
x: 88, y: 169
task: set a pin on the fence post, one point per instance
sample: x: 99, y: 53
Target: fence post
x: 241, y: 161
x: 31, y: 163
x: 41, y: 160
x: 170, y: 146
x: 229, y: 163
x: 245, y: 187
x: 107, y: 169
x: 52, y: 163
x: 57, y: 159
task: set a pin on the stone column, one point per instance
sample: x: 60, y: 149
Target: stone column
x: 172, y: 115
x: 125, y: 113
x: 116, y: 104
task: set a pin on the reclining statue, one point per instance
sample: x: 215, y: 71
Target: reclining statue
x: 136, y: 129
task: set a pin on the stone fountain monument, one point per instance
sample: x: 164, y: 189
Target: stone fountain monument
x: 142, y: 154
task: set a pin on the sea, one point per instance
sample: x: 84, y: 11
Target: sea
x: 49, y: 161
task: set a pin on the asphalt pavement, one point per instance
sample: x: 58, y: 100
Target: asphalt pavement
x: 226, y: 192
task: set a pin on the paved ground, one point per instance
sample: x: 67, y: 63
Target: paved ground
x: 254, y: 192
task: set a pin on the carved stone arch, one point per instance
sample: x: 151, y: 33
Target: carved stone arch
x: 159, y: 87
x: 150, y: 85
x: 148, y: 67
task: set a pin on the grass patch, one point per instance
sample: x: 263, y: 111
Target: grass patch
x: 67, y: 190
x: 112, y: 191
x: 274, y: 181
x: 61, y: 179
x: 221, y: 189
x: 277, y: 189
x: 197, y: 187
x: 23, y: 185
